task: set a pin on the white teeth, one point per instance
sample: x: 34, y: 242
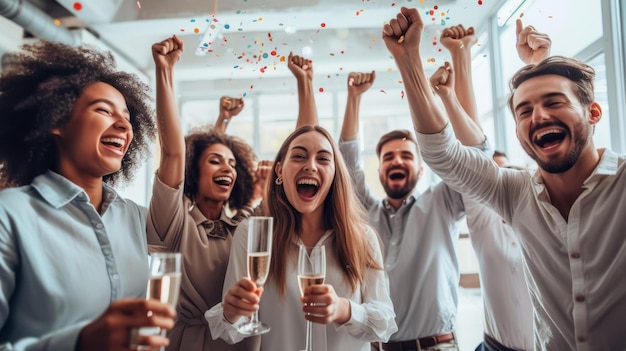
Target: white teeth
x: 116, y: 141
x: 308, y: 182
x: 226, y: 180
x: 546, y: 132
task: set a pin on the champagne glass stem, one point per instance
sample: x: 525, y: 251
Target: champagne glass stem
x: 254, y: 319
x: 309, y: 338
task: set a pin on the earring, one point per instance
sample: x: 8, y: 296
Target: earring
x: 278, y: 181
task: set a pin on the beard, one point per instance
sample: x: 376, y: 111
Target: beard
x: 581, y: 137
x: 400, y: 192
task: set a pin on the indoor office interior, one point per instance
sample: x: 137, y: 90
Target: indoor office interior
x: 238, y: 48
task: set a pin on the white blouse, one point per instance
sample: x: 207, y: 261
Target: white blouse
x: 372, y: 315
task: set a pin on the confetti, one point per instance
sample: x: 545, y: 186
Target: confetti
x: 78, y: 6
x: 138, y: 4
x: 321, y: 90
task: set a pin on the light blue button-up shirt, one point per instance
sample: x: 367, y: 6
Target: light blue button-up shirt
x: 62, y: 263
x: 420, y: 251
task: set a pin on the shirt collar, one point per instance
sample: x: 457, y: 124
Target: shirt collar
x: 408, y: 201
x: 59, y: 191
x: 608, y: 165
x: 213, y: 228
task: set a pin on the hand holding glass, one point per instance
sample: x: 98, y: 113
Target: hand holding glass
x: 163, y: 285
x: 260, y: 232
x: 311, y: 271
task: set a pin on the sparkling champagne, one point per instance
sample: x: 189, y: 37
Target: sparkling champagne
x: 308, y: 280
x: 165, y: 288
x: 258, y: 267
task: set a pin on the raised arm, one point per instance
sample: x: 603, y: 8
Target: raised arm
x: 402, y: 37
x: 229, y: 108
x: 302, y: 69
x: 532, y: 46
x: 465, y: 128
x: 172, y: 142
x: 358, y: 83
x: 459, y: 42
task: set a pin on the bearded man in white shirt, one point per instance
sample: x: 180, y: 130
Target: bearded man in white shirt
x: 574, y: 260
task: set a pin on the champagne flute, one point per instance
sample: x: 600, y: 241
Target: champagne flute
x: 164, y: 286
x: 311, y: 271
x: 260, y: 232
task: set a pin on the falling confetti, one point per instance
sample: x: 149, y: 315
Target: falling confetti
x: 321, y: 90
x: 323, y: 25
x: 138, y: 4
x: 78, y: 6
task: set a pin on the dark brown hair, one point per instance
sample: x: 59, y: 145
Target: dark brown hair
x: 403, y: 134
x: 575, y: 70
x: 201, y: 138
x: 37, y: 95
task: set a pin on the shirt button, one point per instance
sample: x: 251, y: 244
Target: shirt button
x: 99, y: 225
x: 115, y: 276
x: 580, y: 298
x: 575, y: 255
x: 581, y: 338
x: 393, y: 243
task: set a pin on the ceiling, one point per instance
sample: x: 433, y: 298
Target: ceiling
x: 250, y: 39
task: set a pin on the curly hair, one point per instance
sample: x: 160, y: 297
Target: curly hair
x: 200, y: 138
x: 38, y: 94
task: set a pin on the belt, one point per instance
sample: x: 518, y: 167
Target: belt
x: 494, y: 345
x: 420, y: 343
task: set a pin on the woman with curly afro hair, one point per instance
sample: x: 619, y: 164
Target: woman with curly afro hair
x: 73, y: 253
x: 200, y: 176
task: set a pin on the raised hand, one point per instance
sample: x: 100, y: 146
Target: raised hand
x: 230, y: 106
x: 263, y: 171
x: 457, y: 37
x: 532, y: 46
x: 403, y: 33
x: 167, y: 52
x: 358, y: 82
x: 442, y: 80
x: 302, y: 68
x: 112, y: 330
x: 242, y: 299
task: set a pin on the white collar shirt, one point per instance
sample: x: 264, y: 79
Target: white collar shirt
x: 507, y: 305
x: 575, y: 268
x: 372, y: 316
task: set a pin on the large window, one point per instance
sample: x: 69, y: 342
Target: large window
x: 561, y: 19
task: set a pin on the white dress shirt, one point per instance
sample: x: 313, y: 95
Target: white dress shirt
x: 508, y: 309
x: 372, y: 316
x: 575, y: 268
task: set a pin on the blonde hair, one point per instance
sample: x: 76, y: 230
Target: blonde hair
x: 343, y: 214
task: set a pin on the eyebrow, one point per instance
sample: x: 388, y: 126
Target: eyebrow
x: 543, y: 97
x: 111, y: 104
x: 216, y: 154
x: 302, y: 148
